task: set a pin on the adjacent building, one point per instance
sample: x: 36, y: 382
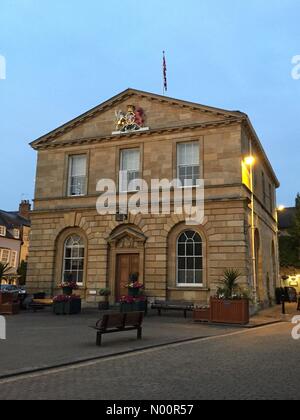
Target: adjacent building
x: 14, y: 238
x: 290, y: 273
x: 142, y: 135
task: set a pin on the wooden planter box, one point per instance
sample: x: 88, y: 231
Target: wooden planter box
x: 133, y: 292
x: 201, y: 315
x: 68, y: 291
x: 103, y: 306
x: 7, y: 298
x: 9, y: 304
x: 9, y: 309
x: 134, y: 307
x: 67, y: 308
x: 73, y: 307
x: 59, y: 308
x: 230, y: 311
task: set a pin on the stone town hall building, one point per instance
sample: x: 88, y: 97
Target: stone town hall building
x: 159, y: 138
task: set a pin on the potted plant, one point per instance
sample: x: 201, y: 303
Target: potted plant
x: 127, y: 303
x: 105, y: 293
x: 135, y: 288
x: 4, y: 269
x: 69, y: 285
x: 133, y: 304
x: 67, y: 305
x: 231, y: 303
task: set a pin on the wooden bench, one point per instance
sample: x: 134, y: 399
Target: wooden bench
x: 40, y: 304
x: 118, y: 322
x: 173, y: 306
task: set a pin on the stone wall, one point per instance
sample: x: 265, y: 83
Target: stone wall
x: 223, y: 235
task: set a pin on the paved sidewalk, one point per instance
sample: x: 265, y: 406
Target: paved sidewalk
x: 43, y: 340
x: 275, y: 313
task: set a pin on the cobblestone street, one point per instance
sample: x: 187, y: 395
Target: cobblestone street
x: 43, y: 340
x: 245, y: 364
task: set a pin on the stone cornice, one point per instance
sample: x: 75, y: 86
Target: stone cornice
x: 248, y: 127
x: 64, y: 209
x: 90, y: 196
x: 137, y: 134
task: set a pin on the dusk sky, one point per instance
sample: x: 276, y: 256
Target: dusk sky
x: 66, y: 56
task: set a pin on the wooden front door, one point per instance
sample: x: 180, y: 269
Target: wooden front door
x: 126, y: 265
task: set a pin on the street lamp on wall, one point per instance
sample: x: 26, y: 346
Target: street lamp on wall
x: 280, y: 208
x: 249, y: 161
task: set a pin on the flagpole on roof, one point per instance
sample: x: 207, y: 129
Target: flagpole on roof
x: 165, y: 79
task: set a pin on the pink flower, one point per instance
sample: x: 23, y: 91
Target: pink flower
x: 71, y: 284
x: 136, y: 285
x: 132, y: 300
x: 65, y: 298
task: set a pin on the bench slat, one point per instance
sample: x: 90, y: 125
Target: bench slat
x: 134, y: 319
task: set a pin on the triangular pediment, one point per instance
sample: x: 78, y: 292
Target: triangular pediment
x: 157, y: 112
x: 127, y: 237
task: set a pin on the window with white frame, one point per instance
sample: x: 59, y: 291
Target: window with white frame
x: 129, y: 169
x: 77, y: 175
x: 190, y: 259
x: 16, y: 233
x: 2, y: 231
x: 73, y: 264
x: 188, y: 163
x: 13, y: 259
x: 5, y: 256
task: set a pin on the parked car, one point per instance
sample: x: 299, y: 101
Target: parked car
x: 291, y: 294
x: 9, y: 288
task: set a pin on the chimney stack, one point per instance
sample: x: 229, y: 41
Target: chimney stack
x: 24, y: 209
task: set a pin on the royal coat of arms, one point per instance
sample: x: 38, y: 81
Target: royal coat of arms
x: 132, y: 120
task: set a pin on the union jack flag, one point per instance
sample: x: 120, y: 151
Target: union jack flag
x: 165, y: 72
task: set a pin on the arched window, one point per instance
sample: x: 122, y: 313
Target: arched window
x: 189, y: 259
x: 73, y: 266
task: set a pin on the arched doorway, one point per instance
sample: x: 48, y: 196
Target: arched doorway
x: 126, y: 256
